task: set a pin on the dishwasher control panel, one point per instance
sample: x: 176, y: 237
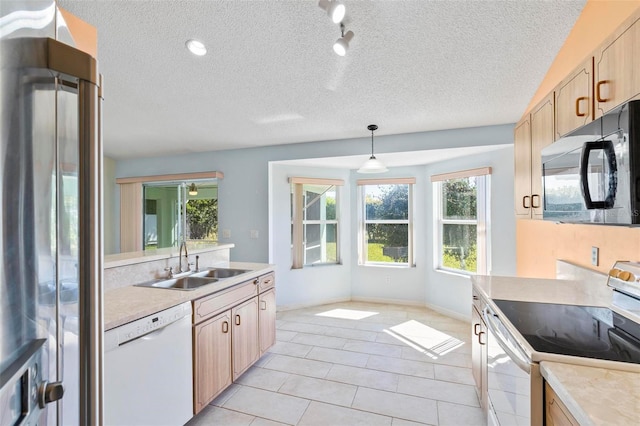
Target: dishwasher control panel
x: 146, y: 325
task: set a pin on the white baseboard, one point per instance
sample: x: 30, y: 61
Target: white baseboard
x: 282, y: 308
x: 448, y: 312
x: 389, y: 301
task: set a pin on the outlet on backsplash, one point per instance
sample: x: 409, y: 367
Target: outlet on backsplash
x: 595, y: 254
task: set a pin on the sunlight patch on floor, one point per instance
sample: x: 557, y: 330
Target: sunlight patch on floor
x: 423, y: 338
x: 351, y: 314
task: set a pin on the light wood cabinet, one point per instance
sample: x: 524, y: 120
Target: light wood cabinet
x: 616, y: 65
x: 231, y: 330
x: 574, y: 99
x: 531, y: 135
x: 267, y: 319
x: 522, y: 165
x: 541, y: 136
x: 245, y: 345
x: 555, y: 412
x: 212, y: 359
x: 479, y: 351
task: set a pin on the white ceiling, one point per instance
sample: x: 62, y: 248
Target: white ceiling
x: 271, y: 76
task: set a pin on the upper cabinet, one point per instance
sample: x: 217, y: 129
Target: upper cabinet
x: 574, y: 99
x: 617, y: 67
x: 522, y: 168
x: 532, y: 134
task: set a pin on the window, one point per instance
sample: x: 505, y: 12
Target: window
x: 461, y: 212
x: 386, y: 229
x: 314, y: 221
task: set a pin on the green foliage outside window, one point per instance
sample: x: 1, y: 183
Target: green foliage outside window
x: 202, y: 219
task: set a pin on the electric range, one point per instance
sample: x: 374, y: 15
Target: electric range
x: 581, y: 331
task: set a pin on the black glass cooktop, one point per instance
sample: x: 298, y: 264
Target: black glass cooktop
x: 585, y: 331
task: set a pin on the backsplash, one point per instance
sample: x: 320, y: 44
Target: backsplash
x: 123, y: 276
x: 570, y: 271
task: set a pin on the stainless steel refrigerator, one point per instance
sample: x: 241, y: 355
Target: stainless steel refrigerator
x: 50, y: 234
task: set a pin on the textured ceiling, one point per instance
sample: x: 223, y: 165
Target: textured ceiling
x: 271, y: 76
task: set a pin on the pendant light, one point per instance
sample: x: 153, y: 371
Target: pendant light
x: 193, y: 189
x: 372, y: 165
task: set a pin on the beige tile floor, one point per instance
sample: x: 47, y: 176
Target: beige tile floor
x: 356, y: 363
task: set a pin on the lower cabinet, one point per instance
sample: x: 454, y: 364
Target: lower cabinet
x: 245, y: 336
x: 555, y: 412
x: 231, y: 331
x: 267, y: 319
x: 212, y: 359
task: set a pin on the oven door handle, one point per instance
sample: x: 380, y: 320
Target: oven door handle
x: 519, y: 358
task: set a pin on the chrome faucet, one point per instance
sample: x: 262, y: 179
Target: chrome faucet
x: 186, y: 255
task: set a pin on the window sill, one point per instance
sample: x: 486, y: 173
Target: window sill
x: 387, y: 265
x: 455, y: 273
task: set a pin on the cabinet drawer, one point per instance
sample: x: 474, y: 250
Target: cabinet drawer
x: 211, y: 305
x: 266, y: 282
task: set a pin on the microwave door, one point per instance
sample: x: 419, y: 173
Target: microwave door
x: 563, y: 201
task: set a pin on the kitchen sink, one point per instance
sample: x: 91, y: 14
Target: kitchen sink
x: 220, y: 273
x: 183, y: 283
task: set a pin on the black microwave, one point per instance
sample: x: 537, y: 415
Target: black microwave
x: 592, y: 175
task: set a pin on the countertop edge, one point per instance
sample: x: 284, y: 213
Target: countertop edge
x: 596, y: 409
x: 546, y: 369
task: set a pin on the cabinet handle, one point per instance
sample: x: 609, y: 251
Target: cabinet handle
x: 533, y: 197
x: 599, y: 97
x: 524, y: 199
x: 475, y: 329
x: 256, y: 281
x: 580, y: 99
x: 267, y: 282
x: 225, y: 327
x: 480, y: 338
x: 237, y: 319
x: 263, y: 305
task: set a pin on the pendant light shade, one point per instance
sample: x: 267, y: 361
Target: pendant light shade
x: 193, y: 189
x: 372, y: 165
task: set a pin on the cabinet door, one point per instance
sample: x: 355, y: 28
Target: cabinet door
x: 616, y: 67
x: 522, y: 168
x: 541, y: 136
x: 479, y: 355
x: 267, y: 320
x: 212, y: 359
x: 246, y: 349
x: 574, y: 99
x: 555, y: 412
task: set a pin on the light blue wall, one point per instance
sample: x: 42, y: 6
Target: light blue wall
x: 245, y: 203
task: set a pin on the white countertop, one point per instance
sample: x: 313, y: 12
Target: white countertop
x: 126, y: 304
x: 596, y: 396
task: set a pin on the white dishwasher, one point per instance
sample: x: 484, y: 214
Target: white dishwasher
x: 147, y: 370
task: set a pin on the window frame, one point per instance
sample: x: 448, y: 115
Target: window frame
x: 363, y: 222
x: 482, y: 221
x: 298, y: 220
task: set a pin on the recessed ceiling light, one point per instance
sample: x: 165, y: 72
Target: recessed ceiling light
x: 196, y: 47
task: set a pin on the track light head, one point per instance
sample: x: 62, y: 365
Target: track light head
x: 334, y: 9
x: 342, y: 44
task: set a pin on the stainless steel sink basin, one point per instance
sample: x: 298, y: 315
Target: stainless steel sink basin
x: 183, y: 283
x: 220, y: 273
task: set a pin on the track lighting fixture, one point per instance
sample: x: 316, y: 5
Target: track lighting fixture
x: 372, y: 165
x: 342, y: 44
x: 334, y: 9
